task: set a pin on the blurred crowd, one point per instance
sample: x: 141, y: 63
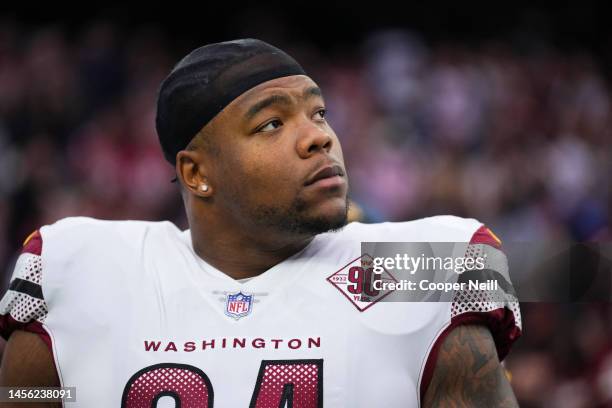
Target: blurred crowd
x: 519, y: 139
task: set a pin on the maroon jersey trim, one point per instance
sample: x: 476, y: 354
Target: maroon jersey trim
x: 8, y: 325
x: 484, y: 235
x: 33, y: 244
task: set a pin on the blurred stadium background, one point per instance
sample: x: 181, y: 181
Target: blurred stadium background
x: 501, y: 113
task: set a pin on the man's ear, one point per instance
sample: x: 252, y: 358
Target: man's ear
x: 192, y: 172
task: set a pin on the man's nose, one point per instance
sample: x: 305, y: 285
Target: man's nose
x: 312, y: 139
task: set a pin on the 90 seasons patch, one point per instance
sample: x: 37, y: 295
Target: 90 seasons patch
x: 356, y: 279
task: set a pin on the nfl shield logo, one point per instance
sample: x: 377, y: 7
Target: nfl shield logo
x: 238, y: 305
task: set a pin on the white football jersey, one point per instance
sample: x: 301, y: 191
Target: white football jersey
x: 134, y: 318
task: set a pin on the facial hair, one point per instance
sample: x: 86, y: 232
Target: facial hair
x: 294, y: 219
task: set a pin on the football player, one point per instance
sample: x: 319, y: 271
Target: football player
x: 242, y: 309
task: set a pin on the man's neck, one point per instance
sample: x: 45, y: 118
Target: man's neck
x: 241, y: 255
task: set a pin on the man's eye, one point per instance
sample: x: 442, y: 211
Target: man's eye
x: 321, y: 113
x: 275, y: 124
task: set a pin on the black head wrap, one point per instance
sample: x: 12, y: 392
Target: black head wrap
x: 207, y: 80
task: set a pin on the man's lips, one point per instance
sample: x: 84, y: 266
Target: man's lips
x: 327, y: 173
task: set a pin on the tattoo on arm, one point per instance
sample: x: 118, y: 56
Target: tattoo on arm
x: 468, y: 372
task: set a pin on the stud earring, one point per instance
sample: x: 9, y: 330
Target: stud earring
x: 204, y: 188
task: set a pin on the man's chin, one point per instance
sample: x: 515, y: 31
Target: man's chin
x: 329, y: 219
x: 318, y: 225
x: 301, y: 219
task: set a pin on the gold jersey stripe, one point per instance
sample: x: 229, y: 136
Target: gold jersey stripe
x: 29, y: 237
x: 495, y: 237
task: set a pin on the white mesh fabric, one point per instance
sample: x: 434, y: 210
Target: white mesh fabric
x: 21, y: 306
x: 465, y: 301
x: 494, y: 258
x: 482, y: 301
x: 24, y: 308
x: 29, y: 266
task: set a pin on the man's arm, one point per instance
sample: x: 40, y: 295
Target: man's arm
x: 27, y: 362
x: 468, y: 372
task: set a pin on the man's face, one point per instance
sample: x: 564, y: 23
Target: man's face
x: 279, y: 164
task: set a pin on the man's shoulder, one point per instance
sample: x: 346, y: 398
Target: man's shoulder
x: 84, y: 225
x: 441, y: 228
x: 79, y: 232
